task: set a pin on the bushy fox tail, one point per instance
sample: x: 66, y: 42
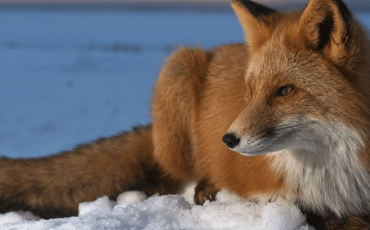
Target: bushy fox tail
x: 54, y: 186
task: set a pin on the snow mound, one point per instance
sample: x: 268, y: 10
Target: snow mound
x: 131, y: 196
x: 102, y: 203
x: 12, y: 217
x: 173, y: 212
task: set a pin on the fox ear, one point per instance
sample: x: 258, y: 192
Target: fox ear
x: 255, y: 20
x: 326, y: 25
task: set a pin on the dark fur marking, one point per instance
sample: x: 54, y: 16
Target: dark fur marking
x: 268, y: 133
x: 346, y: 15
x: 344, y: 11
x: 256, y: 9
x: 327, y: 26
x: 325, y: 30
x: 332, y: 222
x: 154, y: 181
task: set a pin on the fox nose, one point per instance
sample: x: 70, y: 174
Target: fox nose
x: 230, y: 140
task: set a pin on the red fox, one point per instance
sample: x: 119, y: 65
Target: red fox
x: 285, y: 115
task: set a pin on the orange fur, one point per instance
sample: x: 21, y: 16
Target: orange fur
x: 202, y: 95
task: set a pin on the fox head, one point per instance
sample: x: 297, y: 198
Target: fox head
x: 307, y: 81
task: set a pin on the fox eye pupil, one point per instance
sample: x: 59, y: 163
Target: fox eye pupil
x: 285, y: 91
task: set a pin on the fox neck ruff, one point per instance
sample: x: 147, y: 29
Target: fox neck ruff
x: 330, y: 175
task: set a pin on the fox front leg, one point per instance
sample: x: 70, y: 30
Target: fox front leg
x: 204, y: 191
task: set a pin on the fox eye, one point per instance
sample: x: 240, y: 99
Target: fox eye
x: 284, y: 91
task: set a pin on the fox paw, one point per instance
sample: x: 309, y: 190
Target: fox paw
x: 203, y: 192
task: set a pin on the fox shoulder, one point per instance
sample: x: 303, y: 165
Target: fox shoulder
x: 173, y: 109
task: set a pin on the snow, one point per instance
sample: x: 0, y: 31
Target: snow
x: 69, y: 77
x: 102, y: 203
x: 131, y: 196
x: 12, y: 217
x: 174, y: 212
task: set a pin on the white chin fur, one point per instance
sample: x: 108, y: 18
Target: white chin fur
x: 322, y: 167
x: 320, y: 162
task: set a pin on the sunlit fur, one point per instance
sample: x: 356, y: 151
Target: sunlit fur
x: 311, y: 147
